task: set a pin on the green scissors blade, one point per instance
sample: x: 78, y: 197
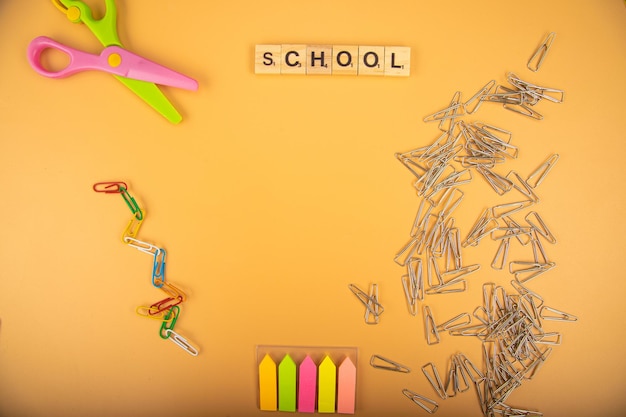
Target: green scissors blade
x: 154, y: 97
x: 105, y: 30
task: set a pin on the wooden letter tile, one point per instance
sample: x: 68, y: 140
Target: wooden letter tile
x: 371, y: 60
x: 345, y: 59
x: 293, y: 59
x: 319, y: 59
x: 398, y: 61
x: 267, y: 59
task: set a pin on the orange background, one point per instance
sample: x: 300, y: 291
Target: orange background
x: 276, y: 192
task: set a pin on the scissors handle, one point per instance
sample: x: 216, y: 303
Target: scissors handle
x: 79, y: 60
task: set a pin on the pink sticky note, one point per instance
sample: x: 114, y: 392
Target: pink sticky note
x: 346, y: 387
x: 307, y: 384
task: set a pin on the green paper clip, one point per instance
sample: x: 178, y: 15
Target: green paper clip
x: 167, y: 324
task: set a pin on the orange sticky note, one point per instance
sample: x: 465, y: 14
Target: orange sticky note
x: 267, y: 384
x: 346, y: 387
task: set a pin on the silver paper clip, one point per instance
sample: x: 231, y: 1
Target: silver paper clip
x: 478, y: 97
x: 388, y: 364
x: 527, y: 293
x: 372, y: 305
x: 452, y: 382
x: 549, y: 313
x: 500, y: 184
x: 448, y: 287
x: 518, y: 231
x: 551, y: 338
x: 456, y: 322
x: 537, y: 223
x: 420, y: 217
x: 432, y: 334
x: 483, y: 227
x: 472, y: 371
x: 435, y: 380
x: 459, y: 369
x: 181, y: 342
x: 507, y: 209
x: 140, y: 245
x: 456, y: 275
x: 524, y: 110
x: 537, y: 176
x: 426, y: 403
x: 525, y: 271
x: 536, y: 60
x: 413, y: 285
x: 409, y: 249
x: 538, y: 249
x: 455, y: 110
x: 520, y: 185
x: 456, y: 98
x: 502, y: 254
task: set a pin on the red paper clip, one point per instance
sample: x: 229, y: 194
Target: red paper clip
x: 110, y: 187
x: 164, y: 304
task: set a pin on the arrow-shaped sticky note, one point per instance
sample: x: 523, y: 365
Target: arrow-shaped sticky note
x: 326, y: 387
x: 267, y: 384
x: 287, y: 384
x: 346, y: 387
x: 307, y: 386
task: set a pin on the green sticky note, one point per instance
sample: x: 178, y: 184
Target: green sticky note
x: 287, y: 384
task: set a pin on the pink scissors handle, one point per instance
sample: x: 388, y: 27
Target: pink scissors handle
x: 113, y: 59
x: 79, y: 60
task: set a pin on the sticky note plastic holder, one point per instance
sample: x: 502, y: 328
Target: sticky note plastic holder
x: 307, y: 379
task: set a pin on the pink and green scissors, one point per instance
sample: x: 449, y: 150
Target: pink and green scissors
x: 139, y: 74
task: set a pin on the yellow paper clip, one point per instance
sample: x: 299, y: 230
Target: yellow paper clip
x: 133, y: 227
x: 152, y: 313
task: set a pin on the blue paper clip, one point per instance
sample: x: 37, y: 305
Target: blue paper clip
x: 158, y: 269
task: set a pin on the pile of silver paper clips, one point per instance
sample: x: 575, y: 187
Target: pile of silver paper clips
x: 514, y: 344
x: 461, y: 373
x: 167, y: 310
x: 509, y: 324
x: 519, y: 96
